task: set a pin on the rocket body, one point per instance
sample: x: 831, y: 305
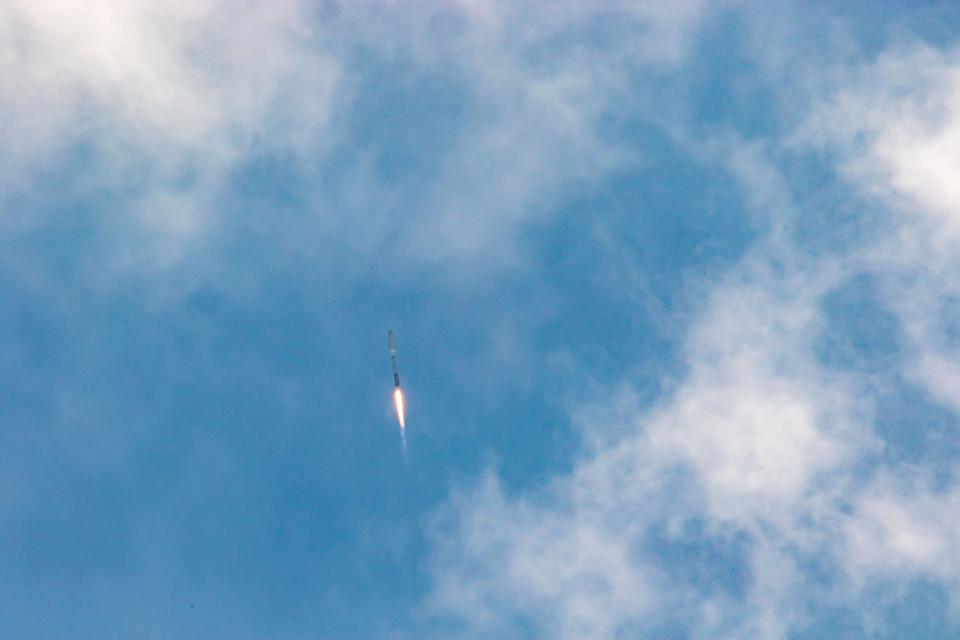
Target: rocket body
x: 392, y: 345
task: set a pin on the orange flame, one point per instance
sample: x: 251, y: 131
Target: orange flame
x: 398, y: 403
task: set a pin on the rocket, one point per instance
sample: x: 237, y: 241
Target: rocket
x: 392, y: 345
x: 397, y: 392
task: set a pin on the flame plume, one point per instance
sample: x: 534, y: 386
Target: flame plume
x: 398, y: 403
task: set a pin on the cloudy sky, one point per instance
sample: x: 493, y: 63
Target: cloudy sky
x: 676, y: 289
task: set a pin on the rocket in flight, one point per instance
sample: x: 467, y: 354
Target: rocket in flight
x: 397, y: 392
x: 392, y: 345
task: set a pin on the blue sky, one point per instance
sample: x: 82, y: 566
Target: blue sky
x: 675, y: 295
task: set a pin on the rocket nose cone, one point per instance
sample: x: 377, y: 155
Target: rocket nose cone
x: 391, y: 341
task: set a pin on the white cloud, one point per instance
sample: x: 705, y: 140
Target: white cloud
x: 904, y: 527
x: 895, y: 126
x: 760, y: 441
x: 162, y: 100
x: 180, y: 76
x: 166, y: 100
x: 515, y: 561
x: 539, y: 93
x: 897, y: 123
x: 756, y: 441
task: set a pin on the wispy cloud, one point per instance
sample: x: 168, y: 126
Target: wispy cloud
x: 746, y: 458
x: 762, y: 457
x: 754, y: 490
x: 153, y: 109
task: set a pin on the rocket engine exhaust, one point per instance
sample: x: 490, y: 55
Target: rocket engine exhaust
x: 398, y: 403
